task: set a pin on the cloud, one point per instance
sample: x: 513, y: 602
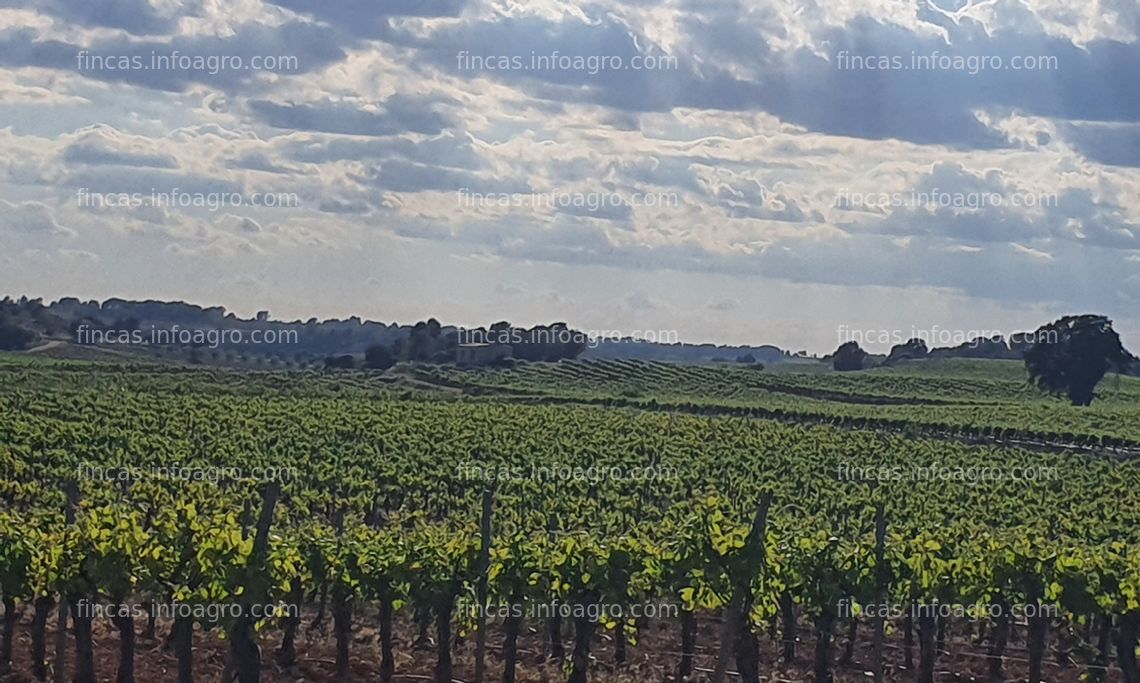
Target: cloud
x: 138, y: 17
x: 641, y: 301
x: 1032, y: 253
x: 399, y: 114
x: 106, y: 148
x: 470, y: 188
x: 953, y: 202
x: 259, y: 161
x: 745, y: 197
x: 369, y: 18
x: 1117, y: 144
x: 348, y: 207
x: 31, y: 218
x: 239, y: 224
x: 222, y: 62
x: 150, y: 181
x: 723, y: 305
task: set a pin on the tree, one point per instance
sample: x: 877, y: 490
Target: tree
x: 1071, y: 355
x: 423, y: 341
x: 914, y: 349
x: 14, y: 337
x: 379, y: 357
x: 848, y: 357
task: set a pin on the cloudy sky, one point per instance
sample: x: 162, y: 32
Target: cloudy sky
x: 731, y: 170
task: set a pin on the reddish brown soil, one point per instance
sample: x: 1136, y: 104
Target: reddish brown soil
x: 653, y: 658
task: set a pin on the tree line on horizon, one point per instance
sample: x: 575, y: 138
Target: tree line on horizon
x: 1067, y: 357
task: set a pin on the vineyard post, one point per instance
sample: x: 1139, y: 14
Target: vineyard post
x: 1099, y: 668
x: 1037, y: 631
x: 150, y: 633
x: 42, y: 607
x: 387, y: 666
x: 1001, y: 629
x: 81, y: 621
x: 926, y: 652
x: 286, y: 654
x: 1126, y: 646
x: 84, y: 657
x: 688, y: 643
x: 880, y: 599
x: 738, y: 606
x: 788, y: 627
x: 181, y: 637
x: 244, y: 653
x: 908, y: 637
x: 554, y: 625
x: 481, y: 587
x: 341, y: 606
x: 7, y: 633
x: 443, y: 607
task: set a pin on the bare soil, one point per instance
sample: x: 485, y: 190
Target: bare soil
x: 654, y: 657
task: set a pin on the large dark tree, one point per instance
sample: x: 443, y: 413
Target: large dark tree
x: 848, y: 357
x: 1071, y: 355
x: 14, y: 337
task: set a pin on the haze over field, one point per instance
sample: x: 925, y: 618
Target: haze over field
x: 762, y: 177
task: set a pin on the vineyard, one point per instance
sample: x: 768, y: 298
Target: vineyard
x: 971, y: 402
x: 562, y: 522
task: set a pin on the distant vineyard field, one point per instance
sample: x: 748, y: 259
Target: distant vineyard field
x: 967, y: 403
